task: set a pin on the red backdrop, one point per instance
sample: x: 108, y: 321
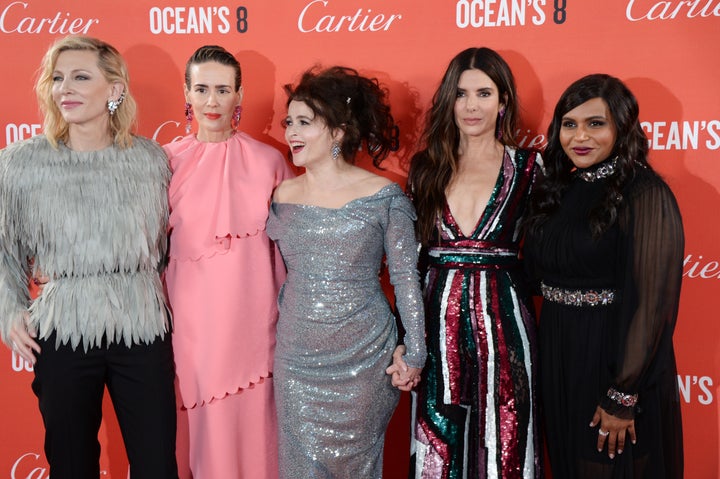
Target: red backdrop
x: 664, y: 50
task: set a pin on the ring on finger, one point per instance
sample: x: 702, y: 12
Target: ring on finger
x: 603, y: 433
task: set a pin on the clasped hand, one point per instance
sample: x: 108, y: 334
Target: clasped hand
x: 403, y: 377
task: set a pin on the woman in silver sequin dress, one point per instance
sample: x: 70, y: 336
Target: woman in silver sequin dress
x: 336, y: 332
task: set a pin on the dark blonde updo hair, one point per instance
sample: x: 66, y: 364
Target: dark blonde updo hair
x: 114, y: 69
x: 217, y: 54
x: 350, y: 102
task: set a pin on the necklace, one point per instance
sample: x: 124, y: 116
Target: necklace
x: 602, y: 171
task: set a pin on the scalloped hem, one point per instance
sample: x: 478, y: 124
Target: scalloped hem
x: 216, y: 397
x: 211, y: 254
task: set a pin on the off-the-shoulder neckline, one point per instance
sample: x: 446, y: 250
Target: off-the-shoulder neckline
x: 355, y: 200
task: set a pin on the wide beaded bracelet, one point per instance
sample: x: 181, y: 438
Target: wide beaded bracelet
x: 627, y: 400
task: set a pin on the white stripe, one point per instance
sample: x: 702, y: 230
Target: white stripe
x: 465, y: 448
x: 492, y: 226
x: 490, y: 418
x: 529, y: 466
x: 420, y: 460
x: 416, y: 447
x: 413, y: 424
x: 443, y: 337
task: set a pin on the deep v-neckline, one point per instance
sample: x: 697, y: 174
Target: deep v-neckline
x: 499, y: 179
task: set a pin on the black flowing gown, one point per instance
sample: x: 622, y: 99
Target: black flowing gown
x: 585, y: 350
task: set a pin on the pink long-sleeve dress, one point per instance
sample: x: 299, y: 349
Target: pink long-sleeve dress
x: 222, y: 280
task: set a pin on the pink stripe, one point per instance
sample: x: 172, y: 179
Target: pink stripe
x: 436, y: 463
x: 482, y: 352
x: 506, y: 407
x: 452, y: 325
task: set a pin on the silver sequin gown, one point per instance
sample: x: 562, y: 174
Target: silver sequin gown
x: 336, y: 332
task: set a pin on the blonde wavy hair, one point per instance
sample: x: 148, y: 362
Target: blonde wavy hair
x: 115, y: 70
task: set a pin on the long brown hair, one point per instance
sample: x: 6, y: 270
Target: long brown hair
x: 431, y: 169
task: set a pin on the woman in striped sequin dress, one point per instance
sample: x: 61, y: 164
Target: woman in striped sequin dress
x: 475, y: 406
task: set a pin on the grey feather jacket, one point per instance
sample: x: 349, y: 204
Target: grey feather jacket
x: 95, y: 223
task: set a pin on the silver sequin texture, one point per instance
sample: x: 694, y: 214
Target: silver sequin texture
x: 336, y: 333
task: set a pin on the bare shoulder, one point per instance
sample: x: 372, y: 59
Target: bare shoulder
x: 369, y: 183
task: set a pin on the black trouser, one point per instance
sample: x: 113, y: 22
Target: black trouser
x: 69, y: 385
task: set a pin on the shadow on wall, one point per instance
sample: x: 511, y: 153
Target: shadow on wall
x: 531, y: 131
x: 680, y: 150
x: 258, y: 81
x: 157, y: 84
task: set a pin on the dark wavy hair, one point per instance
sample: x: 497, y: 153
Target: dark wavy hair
x: 217, y: 54
x: 431, y: 169
x: 631, y: 150
x: 350, y: 102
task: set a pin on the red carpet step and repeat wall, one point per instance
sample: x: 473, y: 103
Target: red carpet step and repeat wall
x: 666, y: 51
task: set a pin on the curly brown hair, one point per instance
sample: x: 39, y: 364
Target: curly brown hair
x: 348, y: 101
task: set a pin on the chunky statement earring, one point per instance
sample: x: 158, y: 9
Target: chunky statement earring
x: 235, y: 122
x: 501, y: 115
x: 112, y: 105
x: 335, y: 150
x: 188, y: 118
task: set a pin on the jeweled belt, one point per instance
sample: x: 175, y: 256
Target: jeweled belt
x: 578, y: 297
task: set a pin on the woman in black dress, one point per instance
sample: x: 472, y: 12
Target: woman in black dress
x: 605, y: 243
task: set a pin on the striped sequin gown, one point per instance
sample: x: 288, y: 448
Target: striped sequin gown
x: 475, y: 408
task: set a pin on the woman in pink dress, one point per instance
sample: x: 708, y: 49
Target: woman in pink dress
x: 223, y: 277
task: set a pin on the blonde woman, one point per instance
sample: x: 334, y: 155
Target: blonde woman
x: 87, y: 202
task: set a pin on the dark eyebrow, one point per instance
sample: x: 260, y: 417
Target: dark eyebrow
x: 208, y: 86
x: 593, y: 117
x: 484, y: 88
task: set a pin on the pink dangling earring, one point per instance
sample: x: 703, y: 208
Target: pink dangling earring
x: 501, y: 115
x: 188, y: 118
x: 236, y: 118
